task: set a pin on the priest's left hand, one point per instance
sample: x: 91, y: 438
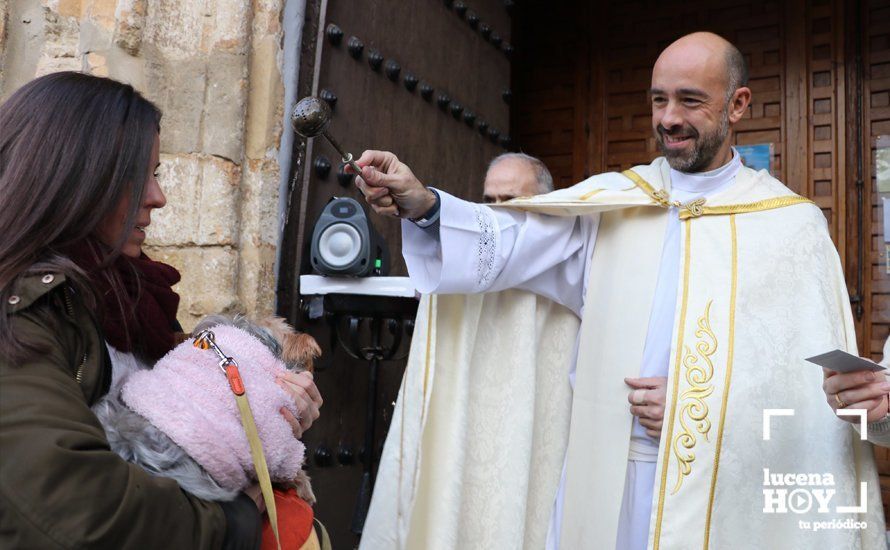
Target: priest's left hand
x: 647, y: 402
x: 858, y: 390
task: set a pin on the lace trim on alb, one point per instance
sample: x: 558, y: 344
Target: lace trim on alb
x: 486, y: 246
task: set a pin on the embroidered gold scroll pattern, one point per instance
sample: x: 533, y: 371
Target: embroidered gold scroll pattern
x: 698, y: 371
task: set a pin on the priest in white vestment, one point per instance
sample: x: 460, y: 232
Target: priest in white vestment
x: 700, y: 286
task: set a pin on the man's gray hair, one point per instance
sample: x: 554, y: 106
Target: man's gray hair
x: 542, y: 174
x: 736, y: 69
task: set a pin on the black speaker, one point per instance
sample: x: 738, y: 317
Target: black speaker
x: 345, y: 243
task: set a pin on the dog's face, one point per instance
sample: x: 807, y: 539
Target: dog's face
x: 298, y: 349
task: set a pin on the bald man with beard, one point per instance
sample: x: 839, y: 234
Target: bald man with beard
x: 694, y: 288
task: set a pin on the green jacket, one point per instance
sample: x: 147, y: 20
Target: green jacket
x: 61, y: 486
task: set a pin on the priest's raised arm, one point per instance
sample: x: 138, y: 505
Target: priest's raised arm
x: 455, y: 246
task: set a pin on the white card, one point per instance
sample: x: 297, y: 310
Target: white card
x: 841, y: 361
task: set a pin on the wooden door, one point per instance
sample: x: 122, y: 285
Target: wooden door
x: 872, y: 31
x: 446, y: 134
x: 593, y: 63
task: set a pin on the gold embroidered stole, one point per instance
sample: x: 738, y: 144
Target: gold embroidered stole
x: 698, y: 383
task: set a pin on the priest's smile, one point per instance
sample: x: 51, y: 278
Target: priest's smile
x: 677, y: 142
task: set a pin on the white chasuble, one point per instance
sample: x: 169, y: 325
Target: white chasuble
x: 478, y: 435
x: 481, y: 429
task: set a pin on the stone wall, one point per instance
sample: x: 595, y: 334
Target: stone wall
x: 213, y: 67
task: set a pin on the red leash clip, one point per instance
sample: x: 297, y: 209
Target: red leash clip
x: 206, y: 340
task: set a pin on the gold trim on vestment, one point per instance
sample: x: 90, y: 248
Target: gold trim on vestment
x: 695, y: 409
x: 696, y: 208
x: 659, y: 197
x: 589, y: 194
x: 727, y: 377
x: 676, y: 381
x: 759, y: 206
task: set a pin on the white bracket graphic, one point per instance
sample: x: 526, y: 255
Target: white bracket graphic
x: 863, y: 502
x: 863, y: 423
x: 768, y: 414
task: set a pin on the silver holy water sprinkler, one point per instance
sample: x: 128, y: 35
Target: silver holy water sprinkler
x: 311, y: 117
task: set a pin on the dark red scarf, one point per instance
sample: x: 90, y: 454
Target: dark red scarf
x: 142, y: 318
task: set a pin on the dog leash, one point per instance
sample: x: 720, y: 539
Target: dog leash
x: 206, y: 340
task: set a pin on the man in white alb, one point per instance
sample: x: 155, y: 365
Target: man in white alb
x: 701, y: 286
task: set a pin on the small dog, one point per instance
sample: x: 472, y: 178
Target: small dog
x: 179, y: 419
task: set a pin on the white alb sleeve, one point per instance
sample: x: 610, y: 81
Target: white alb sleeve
x: 482, y: 249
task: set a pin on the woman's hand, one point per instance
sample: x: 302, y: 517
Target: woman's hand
x: 858, y: 390
x: 301, y: 388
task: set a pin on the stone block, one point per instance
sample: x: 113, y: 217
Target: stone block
x: 202, y: 202
x: 264, y: 99
x: 185, y: 29
x: 126, y: 68
x: 24, y: 44
x: 224, y: 106
x: 267, y: 16
x: 230, y: 30
x: 94, y: 37
x: 61, y: 44
x: 101, y: 12
x: 176, y: 28
x: 218, y: 220
x: 96, y: 64
x: 256, y: 280
x: 4, y: 17
x: 66, y: 8
x: 259, y: 203
x: 177, y: 87
x: 177, y: 223
x: 259, y: 236
x: 209, y: 280
x: 129, y: 25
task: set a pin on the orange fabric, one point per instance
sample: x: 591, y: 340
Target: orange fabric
x: 294, y: 521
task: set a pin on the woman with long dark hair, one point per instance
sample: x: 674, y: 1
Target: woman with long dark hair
x: 77, y: 187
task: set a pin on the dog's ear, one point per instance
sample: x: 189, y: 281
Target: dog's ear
x: 300, y: 349
x: 278, y: 327
x: 297, y: 348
